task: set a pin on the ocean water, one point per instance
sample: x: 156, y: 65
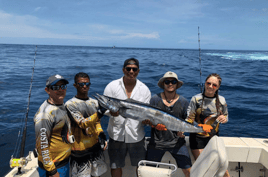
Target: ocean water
x: 244, y: 83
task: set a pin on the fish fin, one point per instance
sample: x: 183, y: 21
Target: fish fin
x: 214, y: 126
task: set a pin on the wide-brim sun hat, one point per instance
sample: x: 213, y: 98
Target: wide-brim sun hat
x: 169, y: 74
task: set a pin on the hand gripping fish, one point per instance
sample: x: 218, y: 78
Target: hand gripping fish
x: 141, y: 111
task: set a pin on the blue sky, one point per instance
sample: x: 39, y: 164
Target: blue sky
x: 224, y: 24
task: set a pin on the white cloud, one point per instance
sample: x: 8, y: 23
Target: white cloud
x: 10, y: 19
x: 27, y: 26
x: 204, y: 40
x: 153, y: 35
x: 116, y: 31
x: 5, y: 16
x: 157, y: 12
x: 229, y: 9
x: 32, y: 27
x: 37, y: 9
x: 184, y: 41
x: 97, y: 26
x: 120, y: 33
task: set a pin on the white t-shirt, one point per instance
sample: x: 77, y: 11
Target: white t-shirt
x: 125, y: 129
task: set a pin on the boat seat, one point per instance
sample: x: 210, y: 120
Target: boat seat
x: 212, y: 161
x: 155, y: 169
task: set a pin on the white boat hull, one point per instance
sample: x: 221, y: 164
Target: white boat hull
x: 248, y: 157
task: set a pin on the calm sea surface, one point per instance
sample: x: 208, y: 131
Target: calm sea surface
x: 244, y: 83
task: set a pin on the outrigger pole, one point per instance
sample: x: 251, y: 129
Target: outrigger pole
x: 201, y: 85
x: 23, y: 161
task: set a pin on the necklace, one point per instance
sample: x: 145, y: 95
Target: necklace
x: 171, y: 99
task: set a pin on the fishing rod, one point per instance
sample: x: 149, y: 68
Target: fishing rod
x: 216, y: 122
x: 201, y: 85
x: 22, y: 161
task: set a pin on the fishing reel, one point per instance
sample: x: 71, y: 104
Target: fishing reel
x: 19, y: 162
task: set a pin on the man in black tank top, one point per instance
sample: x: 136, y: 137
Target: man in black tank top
x: 163, y: 140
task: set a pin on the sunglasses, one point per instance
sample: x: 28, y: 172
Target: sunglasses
x: 167, y: 82
x: 57, y: 87
x: 134, y: 69
x: 213, y: 85
x: 84, y: 84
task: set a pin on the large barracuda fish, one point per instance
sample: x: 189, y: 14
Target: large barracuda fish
x: 141, y: 111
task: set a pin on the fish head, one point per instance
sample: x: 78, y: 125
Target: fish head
x: 107, y: 102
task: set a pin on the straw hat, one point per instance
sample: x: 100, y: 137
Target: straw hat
x: 169, y: 74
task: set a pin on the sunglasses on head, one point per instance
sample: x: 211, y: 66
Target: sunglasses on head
x: 213, y: 85
x: 129, y: 69
x: 84, y: 84
x: 57, y: 87
x: 167, y: 82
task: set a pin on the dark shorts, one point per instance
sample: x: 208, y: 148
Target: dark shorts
x: 118, y: 150
x: 181, y: 156
x: 197, y: 142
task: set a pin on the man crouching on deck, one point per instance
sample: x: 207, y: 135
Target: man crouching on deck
x: 53, y: 131
x: 86, y: 157
x: 126, y: 135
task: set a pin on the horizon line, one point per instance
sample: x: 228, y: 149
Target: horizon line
x: 114, y: 47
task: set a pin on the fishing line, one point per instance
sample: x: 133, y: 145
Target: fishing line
x: 16, y: 150
x: 201, y: 84
x: 15, y: 153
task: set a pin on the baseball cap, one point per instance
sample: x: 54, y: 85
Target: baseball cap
x: 131, y: 61
x: 52, y: 80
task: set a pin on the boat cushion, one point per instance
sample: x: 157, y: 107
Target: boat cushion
x: 147, y: 171
x: 212, y: 161
x: 155, y: 169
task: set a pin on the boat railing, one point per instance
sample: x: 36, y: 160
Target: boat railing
x: 155, y: 169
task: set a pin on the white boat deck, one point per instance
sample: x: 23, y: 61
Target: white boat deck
x: 248, y: 157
